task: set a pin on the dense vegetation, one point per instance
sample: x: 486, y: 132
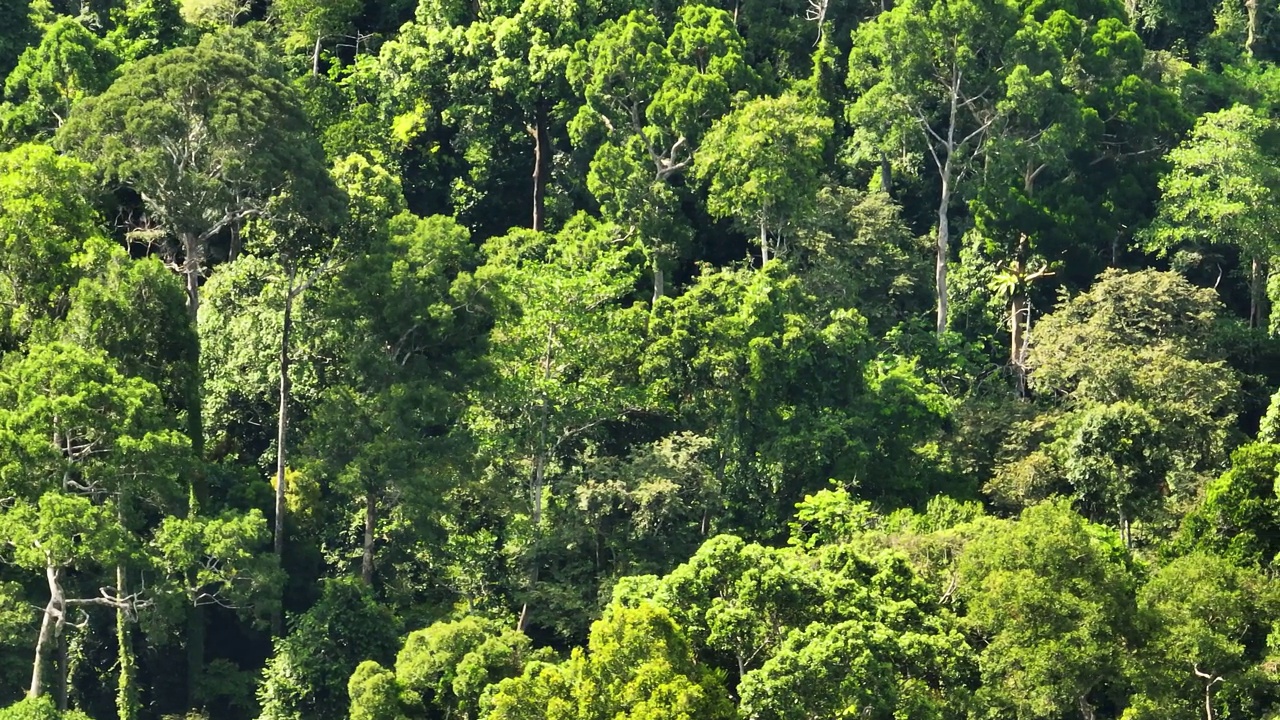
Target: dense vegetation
x: 639, y: 359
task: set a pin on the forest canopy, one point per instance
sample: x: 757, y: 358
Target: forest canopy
x: 639, y: 360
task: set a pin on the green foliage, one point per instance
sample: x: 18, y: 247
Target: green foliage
x: 41, y: 708
x: 762, y: 163
x: 471, y: 282
x: 1211, y: 619
x: 219, y: 561
x: 449, y: 665
x: 374, y: 693
x: 648, y: 100
x: 824, y: 671
x: 145, y: 27
x: 1147, y: 403
x: 211, y: 105
x: 132, y: 310
x: 308, y: 674
x: 735, y: 353
x: 1221, y: 189
x: 855, y: 250
x: 109, y: 435
x: 637, y: 666
x: 1052, y: 596
x: 18, y: 32
x: 40, y: 190
x: 68, y: 65
x: 1235, y: 520
x: 310, y: 23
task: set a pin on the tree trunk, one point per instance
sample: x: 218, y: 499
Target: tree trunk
x: 370, y: 524
x: 764, y: 243
x: 64, y: 668
x: 540, y: 457
x: 315, y: 56
x: 886, y: 175
x: 191, y: 274
x: 195, y: 653
x: 48, y: 634
x: 539, y: 479
x: 237, y: 244
x: 1251, y: 11
x: 1208, y: 701
x: 43, y: 641
x: 541, y: 153
x: 282, y: 433
x: 944, y: 242
x: 195, y: 429
x: 1018, y: 316
x: 659, y: 280
x: 1087, y: 711
x: 1257, y: 294
x: 127, y: 690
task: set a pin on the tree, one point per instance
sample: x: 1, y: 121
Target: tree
x: 84, y: 441
x: 647, y: 101
x: 413, y: 321
x: 309, y: 23
x: 145, y: 27
x: 1211, y: 619
x: 1115, y: 461
x: 56, y: 536
x: 68, y: 65
x: 822, y: 671
x: 207, y: 142
x: 308, y: 676
x: 762, y: 163
x: 1052, y: 598
x: 1222, y: 189
x: 443, y: 671
x: 1145, y: 402
x: 133, y: 310
x: 213, y: 13
x: 855, y: 250
x: 741, y: 599
x: 929, y: 74
x: 375, y: 695
x: 787, y: 389
x: 41, y: 708
x: 45, y: 220
x: 204, y: 139
x: 565, y: 352
x: 298, y: 239
x: 450, y: 665
x: 1035, y: 214
x: 637, y: 666
x: 1236, y: 518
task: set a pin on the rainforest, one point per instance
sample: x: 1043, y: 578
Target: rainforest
x: 639, y: 360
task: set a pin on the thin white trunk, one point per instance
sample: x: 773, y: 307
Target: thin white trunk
x: 764, y: 243
x: 282, y: 438
x: 48, y: 633
x: 944, y: 245
x: 370, y: 524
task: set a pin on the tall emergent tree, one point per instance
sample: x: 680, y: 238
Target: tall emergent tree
x: 207, y: 142
x: 929, y: 73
